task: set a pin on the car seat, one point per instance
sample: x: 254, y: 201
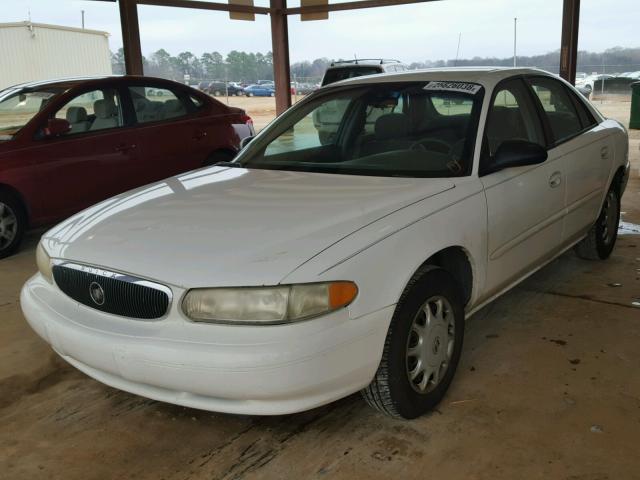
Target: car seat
x: 77, y: 118
x: 106, y: 115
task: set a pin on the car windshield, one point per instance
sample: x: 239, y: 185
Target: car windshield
x: 411, y: 129
x: 336, y: 74
x: 19, y: 106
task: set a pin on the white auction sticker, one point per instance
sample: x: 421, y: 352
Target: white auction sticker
x: 463, y: 87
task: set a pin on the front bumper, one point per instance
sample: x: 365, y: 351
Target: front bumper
x: 258, y: 370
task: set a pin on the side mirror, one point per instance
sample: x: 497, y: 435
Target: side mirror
x: 56, y: 126
x: 517, y: 153
x: 245, y: 141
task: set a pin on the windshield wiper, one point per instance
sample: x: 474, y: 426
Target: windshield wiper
x: 228, y: 164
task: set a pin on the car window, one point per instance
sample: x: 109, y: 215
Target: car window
x: 381, y: 129
x: 98, y: 109
x: 512, y: 116
x: 586, y: 117
x: 558, y: 107
x: 19, y: 106
x: 447, y: 106
x: 152, y: 104
x: 342, y: 73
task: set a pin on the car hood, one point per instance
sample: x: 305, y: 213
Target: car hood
x: 224, y: 226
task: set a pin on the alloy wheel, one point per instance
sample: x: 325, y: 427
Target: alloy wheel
x: 430, y: 344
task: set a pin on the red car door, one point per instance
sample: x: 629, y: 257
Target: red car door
x: 96, y: 159
x: 165, y: 130
x: 175, y: 134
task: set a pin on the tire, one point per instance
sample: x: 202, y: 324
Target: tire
x: 13, y: 223
x: 599, y: 242
x: 272, y: 94
x: 216, y: 93
x: 217, y: 157
x: 392, y: 390
x: 249, y: 94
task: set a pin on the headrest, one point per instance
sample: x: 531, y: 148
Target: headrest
x: 173, y: 106
x: 76, y: 114
x: 140, y: 104
x: 104, y: 109
x: 392, y: 125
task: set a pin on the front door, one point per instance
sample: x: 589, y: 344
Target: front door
x: 525, y: 204
x: 92, y: 161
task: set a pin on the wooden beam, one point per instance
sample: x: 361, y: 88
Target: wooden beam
x: 199, y: 5
x: 569, y: 40
x: 334, y: 7
x: 280, y: 49
x: 131, y: 37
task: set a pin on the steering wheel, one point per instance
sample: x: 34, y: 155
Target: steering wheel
x: 440, y: 146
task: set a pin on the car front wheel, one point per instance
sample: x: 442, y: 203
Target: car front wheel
x: 599, y: 242
x: 12, y: 223
x: 422, y: 347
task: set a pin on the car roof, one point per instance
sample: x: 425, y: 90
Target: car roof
x: 69, y: 82
x: 483, y: 75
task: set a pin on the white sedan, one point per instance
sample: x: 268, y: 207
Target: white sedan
x: 307, y: 270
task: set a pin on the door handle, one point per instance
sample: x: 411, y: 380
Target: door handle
x: 200, y: 134
x: 604, y: 153
x: 555, y: 179
x: 124, y: 148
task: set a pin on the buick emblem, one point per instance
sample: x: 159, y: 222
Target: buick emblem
x: 96, y: 293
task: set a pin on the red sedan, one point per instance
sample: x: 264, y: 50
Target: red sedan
x: 67, y: 144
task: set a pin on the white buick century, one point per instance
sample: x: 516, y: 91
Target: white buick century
x: 312, y: 267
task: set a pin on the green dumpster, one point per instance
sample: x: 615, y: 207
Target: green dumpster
x: 634, y: 121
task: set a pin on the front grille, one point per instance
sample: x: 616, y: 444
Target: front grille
x: 112, y: 292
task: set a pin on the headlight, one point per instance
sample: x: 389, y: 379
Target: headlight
x: 44, y: 263
x: 267, y: 305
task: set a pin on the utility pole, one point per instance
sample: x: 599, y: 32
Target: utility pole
x: 458, y: 49
x: 515, y: 37
x: 82, y: 18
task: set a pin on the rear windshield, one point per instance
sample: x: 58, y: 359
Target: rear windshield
x: 408, y: 129
x: 336, y: 74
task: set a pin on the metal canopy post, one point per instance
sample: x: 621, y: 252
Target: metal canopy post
x: 569, y: 41
x: 131, y: 37
x: 280, y: 49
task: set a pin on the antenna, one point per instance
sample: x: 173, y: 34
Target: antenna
x: 29, y: 14
x: 82, y: 11
x: 458, y: 49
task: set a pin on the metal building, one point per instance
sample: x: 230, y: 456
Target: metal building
x: 36, y: 51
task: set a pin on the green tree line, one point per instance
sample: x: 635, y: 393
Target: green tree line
x: 250, y: 67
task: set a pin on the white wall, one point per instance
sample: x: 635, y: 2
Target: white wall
x: 31, y: 52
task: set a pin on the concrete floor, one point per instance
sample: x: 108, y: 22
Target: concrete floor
x: 548, y: 387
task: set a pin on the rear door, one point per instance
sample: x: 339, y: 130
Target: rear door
x: 173, y: 138
x: 525, y: 204
x: 583, y: 147
x: 93, y: 160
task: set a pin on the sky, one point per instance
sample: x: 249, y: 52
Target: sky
x: 410, y: 33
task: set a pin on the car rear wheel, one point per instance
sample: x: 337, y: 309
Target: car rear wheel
x: 216, y: 93
x: 422, y: 348
x: 249, y: 94
x: 272, y: 94
x: 12, y: 223
x: 599, y: 242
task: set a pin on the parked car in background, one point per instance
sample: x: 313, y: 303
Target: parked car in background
x: 326, y: 119
x: 356, y: 68
x: 219, y: 89
x: 260, y: 91
x: 301, y: 273
x: 588, y: 82
x: 67, y: 144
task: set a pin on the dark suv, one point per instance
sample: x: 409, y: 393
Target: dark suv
x: 357, y: 68
x: 218, y: 88
x: 326, y: 119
